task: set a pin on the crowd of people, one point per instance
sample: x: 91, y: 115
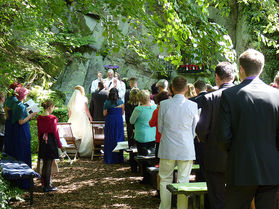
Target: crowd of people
x: 231, y: 131
x: 222, y: 128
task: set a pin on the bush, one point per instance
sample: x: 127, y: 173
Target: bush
x: 34, y: 136
x: 61, y: 114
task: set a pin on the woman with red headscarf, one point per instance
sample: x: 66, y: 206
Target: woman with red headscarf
x: 21, y: 130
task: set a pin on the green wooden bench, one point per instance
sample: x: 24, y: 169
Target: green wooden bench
x: 194, y: 190
x: 153, y: 171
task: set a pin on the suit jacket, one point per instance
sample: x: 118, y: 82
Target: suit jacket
x: 249, y: 131
x: 214, y: 157
x: 198, y: 98
x: 98, y: 99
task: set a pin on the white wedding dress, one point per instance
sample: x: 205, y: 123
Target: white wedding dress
x: 81, y: 125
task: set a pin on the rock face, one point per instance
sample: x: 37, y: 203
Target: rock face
x: 83, y: 71
x: 236, y: 25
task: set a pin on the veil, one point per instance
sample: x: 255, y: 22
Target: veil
x: 76, y: 102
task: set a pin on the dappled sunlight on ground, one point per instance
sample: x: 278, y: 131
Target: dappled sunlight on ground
x: 92, y: 184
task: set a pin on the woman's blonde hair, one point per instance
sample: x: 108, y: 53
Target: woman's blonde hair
x: 81, y: 89
x: 143, y: 96
x: 191, y: 91
x: 133, y: 100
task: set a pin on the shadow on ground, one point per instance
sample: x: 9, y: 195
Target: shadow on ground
x: 93, y: 184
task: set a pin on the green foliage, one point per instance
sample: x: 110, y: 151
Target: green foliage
x: 61, y: 114
x: 263, y: 20
x: 264, y: 26
x: 34, y: 33
x: 34, y: 136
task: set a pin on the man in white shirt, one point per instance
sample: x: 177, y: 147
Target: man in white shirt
x: 94, y: 85
x: 177, y: 120
x: 122, y: 87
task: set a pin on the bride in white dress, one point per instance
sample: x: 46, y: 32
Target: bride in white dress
x: 80, y: 118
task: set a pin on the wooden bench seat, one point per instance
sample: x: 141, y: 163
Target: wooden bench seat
x: 98, y: 128
x: 193, y: 190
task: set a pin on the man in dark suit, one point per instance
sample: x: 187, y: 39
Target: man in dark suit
x: 98, y: 99
x: 249, y: 132
x: 200, y: 88
x: 214, y: 157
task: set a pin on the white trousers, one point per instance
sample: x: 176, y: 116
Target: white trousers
x: 166, y: 177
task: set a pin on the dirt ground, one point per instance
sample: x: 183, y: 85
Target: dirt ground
x: 93, y: 184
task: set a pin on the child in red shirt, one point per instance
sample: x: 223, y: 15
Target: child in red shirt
x: 49, y: 142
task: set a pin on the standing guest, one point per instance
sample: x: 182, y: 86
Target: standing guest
x: 171, y: 93
x: 214, y: 158
x: 49, y: 142
x: 133, y: 83
x: 80, y: 118
x: 154, y: 90
x: 209, y: 88
x: 276, y: 81
x: 114, y: 129
x: 191, y: 91
x: 248, y: 131
x: 21, y: 131
x: 94, y: 85
x: 2, y: 120
x: 200, y: 89
x: 154, y: 120
x: 98, y: 99
x: 144, y: 134
x: 162, y: 85
x: 176, y: 147
x: 8, y: 104
x: 121, y: 88
x: 129, y: 108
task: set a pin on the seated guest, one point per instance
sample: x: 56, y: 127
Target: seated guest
x: 129, y: 108
x: 114, y: 129
x: 144, y: 134
x: 154, y: 120
x: 49, y: 142
x: 2, y: 120
x: 98, y: 99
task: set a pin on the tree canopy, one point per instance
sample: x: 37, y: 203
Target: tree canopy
x: 37, y: 38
